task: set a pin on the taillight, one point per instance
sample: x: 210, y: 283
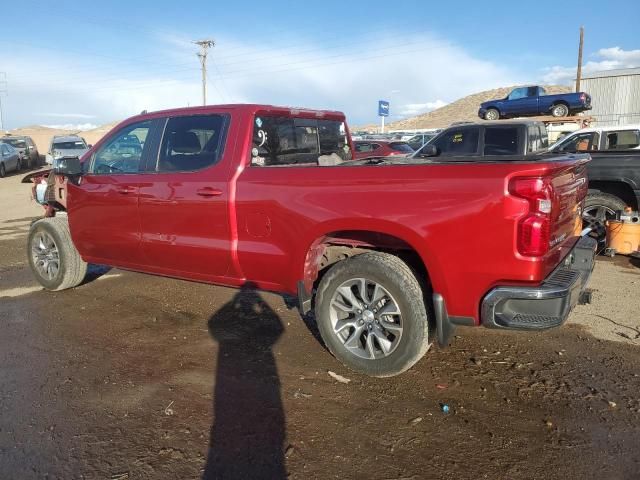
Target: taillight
x: 583, y: 97
x: 534, y: 228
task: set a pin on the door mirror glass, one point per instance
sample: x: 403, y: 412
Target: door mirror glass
x: 68, y: 166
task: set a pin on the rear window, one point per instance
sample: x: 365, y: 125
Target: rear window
x: 622, y: 140
x: 460, y: 141
x: 280, y: 141
x: 501, y: 141
x: 77, y: 145
x: 401, y: 147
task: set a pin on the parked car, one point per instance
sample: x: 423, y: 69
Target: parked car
x: 614, y: 171
x: 9, y: 159
x: 238, y: 195
x: 26, y: 147
x: 379, y: 148
x: 533, y: 100
x: 498, y: 138
x: 419, y: 139
x: 65, y: 146
x: 618, y: 137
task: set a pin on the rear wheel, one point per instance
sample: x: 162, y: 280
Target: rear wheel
x: 53, y: 258
x: 3, y: 171
x: 492, y: 114
x: 560, y: 110
x: 598, y: 208
x: 19, y: 165
x: 371, y: 314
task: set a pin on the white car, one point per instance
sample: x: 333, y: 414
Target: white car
x: 619, y: 137
x: 66, y: 146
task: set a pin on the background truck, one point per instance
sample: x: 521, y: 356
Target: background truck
x: 483, y: 139
x: 532, y: 101
x: 267, y: 197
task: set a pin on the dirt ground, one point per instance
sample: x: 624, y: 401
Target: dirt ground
x: 138, y: 377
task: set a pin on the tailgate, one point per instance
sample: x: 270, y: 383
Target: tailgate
x: 570, y: 186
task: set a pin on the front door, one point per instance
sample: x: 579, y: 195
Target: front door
x: 522, y: 101
x: 103, y: 208
x: 184, y: 200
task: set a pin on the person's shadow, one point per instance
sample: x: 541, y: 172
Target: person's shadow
x: 248, y: 433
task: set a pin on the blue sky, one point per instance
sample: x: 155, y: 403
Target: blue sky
x: 77, y: 63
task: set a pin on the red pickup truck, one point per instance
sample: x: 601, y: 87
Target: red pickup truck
x: 385, y: 251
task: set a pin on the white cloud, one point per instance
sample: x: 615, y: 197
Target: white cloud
x: 409, y: 72
x: 411, y: 109
x: 606, y: 59
x: 67, y: 115
x: 74, y: 126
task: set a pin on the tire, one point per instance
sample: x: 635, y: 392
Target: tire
x: 71, y: 269
x: 19, y: 165
x: 599, y: 207
x: 3, y: 170
x: 560, y: 110
x: 492, y: 114
x: 404, y: 336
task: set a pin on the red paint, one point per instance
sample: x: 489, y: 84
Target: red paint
x: 267, y: 224
x: 384, y: 148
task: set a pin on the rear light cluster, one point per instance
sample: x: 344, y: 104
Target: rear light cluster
x: 535, y: 227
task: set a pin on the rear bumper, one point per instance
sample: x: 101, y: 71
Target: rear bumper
x: 547, y: 305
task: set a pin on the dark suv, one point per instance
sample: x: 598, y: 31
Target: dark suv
x: 503, y: 137
x: 26, y: 148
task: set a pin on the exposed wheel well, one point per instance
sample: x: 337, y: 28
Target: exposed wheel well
x: 338, y: 246
x: 619, y: 189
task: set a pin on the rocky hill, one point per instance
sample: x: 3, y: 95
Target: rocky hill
x: 465, y: 109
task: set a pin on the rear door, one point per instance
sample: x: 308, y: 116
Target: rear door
x: 184, y: 199
x: 103, y: 208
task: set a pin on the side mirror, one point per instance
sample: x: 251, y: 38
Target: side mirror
x: 90, y: 146
x: 69, y: 166
x: 429, y: 151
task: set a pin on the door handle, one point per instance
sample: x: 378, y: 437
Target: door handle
x: 126, y: 190
x: 209, y: 192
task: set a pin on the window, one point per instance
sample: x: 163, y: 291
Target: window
x: 537, y: 138
x: 363, y: 147
x: 401, y: 147
x: 4, y: 149
x: 501, y: 140
x: 15, y: 142
x: 123, y: 152
x: 191, y: 143
x: 72, y: 145
x: 622, y: 140
x: 462, y: 141
x: 532, y: 92
x: 582, y: 142
x: 299, y: 141
x: 518, y: 93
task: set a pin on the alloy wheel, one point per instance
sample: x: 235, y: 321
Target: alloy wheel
x: 366, y: 318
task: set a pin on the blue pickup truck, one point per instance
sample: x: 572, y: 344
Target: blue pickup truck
x: 533, y: 100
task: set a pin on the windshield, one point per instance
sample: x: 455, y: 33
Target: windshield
x: 15, y: 142
x: 77, y: 145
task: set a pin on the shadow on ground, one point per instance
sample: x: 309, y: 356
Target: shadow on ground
x: 248, y: 433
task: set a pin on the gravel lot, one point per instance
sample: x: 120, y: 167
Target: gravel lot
x: 131, y: 376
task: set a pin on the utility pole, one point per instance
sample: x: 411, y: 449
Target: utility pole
x: 3, y: 92
x: 579, y: 73
x: 205, y: 45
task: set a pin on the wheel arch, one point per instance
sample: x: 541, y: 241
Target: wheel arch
x: 621, y: 188
x: 333, y: 244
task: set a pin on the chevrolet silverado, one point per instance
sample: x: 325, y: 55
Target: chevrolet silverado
x: 386, y: 252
